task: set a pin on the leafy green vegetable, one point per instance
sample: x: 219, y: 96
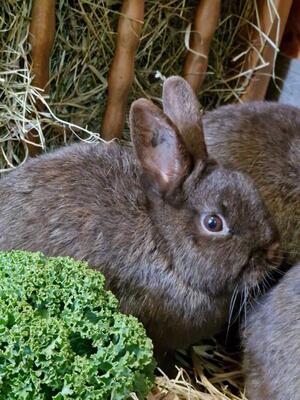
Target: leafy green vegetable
x: 62, y: 336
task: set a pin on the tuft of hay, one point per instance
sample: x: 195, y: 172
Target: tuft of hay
x: 210, y: 374
x: 81, y: 58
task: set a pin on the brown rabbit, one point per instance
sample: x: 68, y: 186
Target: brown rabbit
x: 272, y: 343
x: 173, y: 233
x: 263, y: 140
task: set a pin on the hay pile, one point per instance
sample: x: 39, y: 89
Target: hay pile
x: 210, y: 375
x: 83, y: 51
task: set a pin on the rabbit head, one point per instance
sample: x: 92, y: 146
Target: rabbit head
x: 212, y: 219
x: 262, y: 139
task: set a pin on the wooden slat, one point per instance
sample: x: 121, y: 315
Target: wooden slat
x: 205, y: 23
x: 290, y: 45
x: 122, y: 69
x: 41, y: 38
x: 272, y: 27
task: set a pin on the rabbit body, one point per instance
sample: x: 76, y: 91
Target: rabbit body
x: 77, y: 202
x: 173, y: 233
x: 271, y: 341
x: 262, y: 139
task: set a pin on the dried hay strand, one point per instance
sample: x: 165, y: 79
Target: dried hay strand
x: 81, y: 58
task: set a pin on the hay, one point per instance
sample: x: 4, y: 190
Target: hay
x: 83, y: 51
x: 210, y: 374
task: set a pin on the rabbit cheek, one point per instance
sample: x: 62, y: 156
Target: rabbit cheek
x: 256, y: 271
x: 218, y: 275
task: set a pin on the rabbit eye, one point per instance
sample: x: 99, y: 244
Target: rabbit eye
x: 214, y: 224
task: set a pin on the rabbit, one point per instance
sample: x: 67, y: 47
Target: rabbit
x: 262, y: 139
x: 173, y: 232
x: 272, y: 342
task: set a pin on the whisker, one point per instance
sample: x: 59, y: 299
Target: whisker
x: 246, y: 296
x: 232, y: 304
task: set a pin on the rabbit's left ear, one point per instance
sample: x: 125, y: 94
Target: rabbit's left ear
x: 181, y: 105
x: 158, y: 146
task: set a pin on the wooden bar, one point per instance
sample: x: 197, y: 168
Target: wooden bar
x: 122, y: 70
x: 271, y: 26
x: 41, y: 38
x: 205, y: 23
x: 290, y: 44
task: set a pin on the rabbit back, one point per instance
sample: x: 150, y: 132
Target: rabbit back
x: 54, y: 202
x: 272, y: 343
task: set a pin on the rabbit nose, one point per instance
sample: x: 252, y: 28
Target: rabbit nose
x: 274, y: 254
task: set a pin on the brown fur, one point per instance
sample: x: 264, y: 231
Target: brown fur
x: 135, y: 216
x: 272, y: 335
x: 263, y: 140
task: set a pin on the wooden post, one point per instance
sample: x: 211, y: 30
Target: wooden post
x: 122, y: 69
x: 41, y: 38
x: 271, y: 27
x: 290, y: 44
x: 205, y: 23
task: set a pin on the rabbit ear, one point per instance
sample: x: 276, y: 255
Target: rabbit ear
x: 182, y: 107
x: 158, y: 146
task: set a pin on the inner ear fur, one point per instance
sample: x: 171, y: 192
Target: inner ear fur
x: 159, y: 148
x: 182, y: 107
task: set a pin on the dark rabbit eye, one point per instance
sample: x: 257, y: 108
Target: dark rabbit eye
x: 214, y: 224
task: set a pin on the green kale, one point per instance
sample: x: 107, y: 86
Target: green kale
x: 62, y: 335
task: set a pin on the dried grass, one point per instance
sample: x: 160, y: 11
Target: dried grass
x: 83, y: 51
x: 210, y: 374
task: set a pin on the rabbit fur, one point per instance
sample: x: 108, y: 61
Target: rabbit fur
x: 139, y: 215
x: 262, y: 139
x: 271, y: 342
